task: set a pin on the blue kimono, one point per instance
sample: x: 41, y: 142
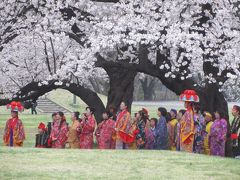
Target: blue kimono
x: 161, y: 139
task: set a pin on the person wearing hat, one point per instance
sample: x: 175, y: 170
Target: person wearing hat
x: 208, y: 121
x: 41, y: 137
x: 172, y: 125
x: 105, y: 131
x: 88, y: 126
x: 187, y: 122
x: 235, y: 131
x: 14, y: 134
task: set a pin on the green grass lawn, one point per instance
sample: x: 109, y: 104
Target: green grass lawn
x: 30, y: 163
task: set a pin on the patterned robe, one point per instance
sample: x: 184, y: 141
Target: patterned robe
x: 86, y: 135
x: 141, y: 134
x: 161, y: 140
x: 104, y: 134
x: 73, y: 135
x: 199, y: 125
x: 60, y: 133
x: 177, y: 140
x: 235, y: 136
x: 150, y: 138
x: 123, y: 125
x: 187, y: 131
x: 172, y: 126
x: 14, y: 134
x: 217, y: 137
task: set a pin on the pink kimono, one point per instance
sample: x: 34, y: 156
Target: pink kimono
x: 60, y: 133
x: 104, y: 134
x: 86, y: 135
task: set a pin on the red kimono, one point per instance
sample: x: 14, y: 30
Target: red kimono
x: 86, y: 135
x: 104, y: 134
x: 14, y: 134
x: 60, y: 133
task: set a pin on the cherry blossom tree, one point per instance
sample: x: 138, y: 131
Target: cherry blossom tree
x: 190, y: 44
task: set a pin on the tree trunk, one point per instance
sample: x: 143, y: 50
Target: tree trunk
x: 90, y: 98
x: 121, y: 82
x: 148, y: 84
x: 121, y: 86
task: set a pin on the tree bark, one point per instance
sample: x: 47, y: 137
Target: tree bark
x: 121, y: 86
x: 90, y: 98
x: 121, y: 83
x: 148, y: 84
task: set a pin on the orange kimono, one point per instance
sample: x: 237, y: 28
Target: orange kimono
x: 73, y: 135
x: 187, y: 131
x: 172, y: 133
x: 122, y: 123
x: 14, y: 134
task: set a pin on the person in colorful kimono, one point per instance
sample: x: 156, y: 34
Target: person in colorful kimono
x: 14, y: 134
x: 104, y: 132
x: 59, y: 131
x: 217, y: 137
x: 187, y: 128
x: 74, y: 132
x: 151, y: 134
x: 122, y: 125
x: 88, y: 124
x: 142, y: 117
x: 179, y: 117
x: 42, y: 136
x: 208, y: 121
x: 235, y: 131
x: 135, y: 138
x: 161, y: 139
x: 172, y: 125
x: 199, y: 124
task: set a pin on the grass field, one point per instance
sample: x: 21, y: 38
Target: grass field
x: 32, y: 163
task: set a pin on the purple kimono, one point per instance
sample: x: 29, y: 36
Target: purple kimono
x: 150, y: 138
x: 161, y: 139
x: 217, y: 137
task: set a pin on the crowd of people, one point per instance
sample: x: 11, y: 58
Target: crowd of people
x: 190, y: 129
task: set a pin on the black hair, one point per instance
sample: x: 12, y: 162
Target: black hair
x: 92, y: 109
x: 76, y: 115
x: 163, y: 111
x: 108, y: 113
x: 54, y: 114
x: 60, y: 113
x: 182, y: 111
x: 125, y: 103
x: 221, y: 113
x: 168, y: 117
x: 197, y: 107
x: 155, y: 120
x: 62, y: 120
